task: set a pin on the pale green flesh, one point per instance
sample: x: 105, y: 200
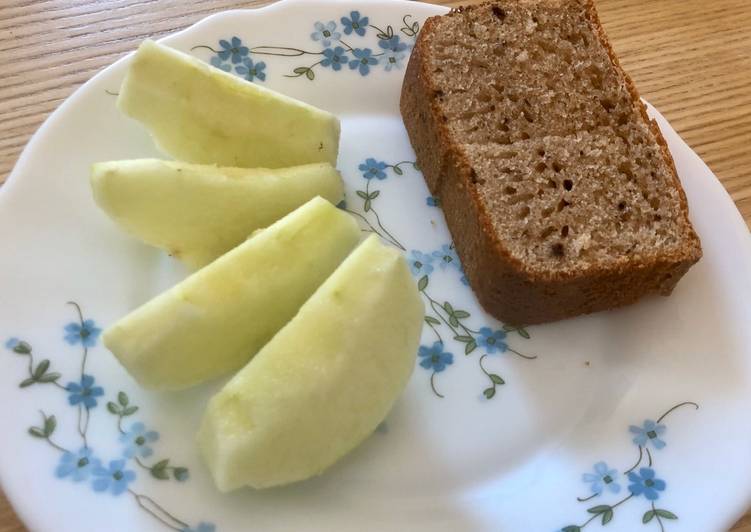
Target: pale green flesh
x: 199, y: 212
x: 215, y: 320
x: 200, y: 114
x: 324, y: 382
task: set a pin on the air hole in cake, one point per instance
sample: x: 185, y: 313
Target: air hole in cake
x: 557, y: 249
x: 509, y: 190
x: 523, y: 212
x: 562, y: 205
x: 564, y: 231
x: 607, y: 104
x: 568, y: 184
x: 552, y: 183
x: 541, y: 167
x: 498, y: 13
x: 547, y: 232
x: 621, y: 205
x: 557, y: 168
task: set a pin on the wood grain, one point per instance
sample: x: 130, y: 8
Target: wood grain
x: 690, y: 58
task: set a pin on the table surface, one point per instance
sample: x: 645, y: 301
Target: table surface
x: 690, y: 58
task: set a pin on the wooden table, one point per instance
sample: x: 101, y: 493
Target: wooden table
x: 690, y: 58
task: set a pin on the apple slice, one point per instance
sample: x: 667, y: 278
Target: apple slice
x: 201, y: 114
x: 215, y: 320
x: 324, y: 382
x: 198, y: 212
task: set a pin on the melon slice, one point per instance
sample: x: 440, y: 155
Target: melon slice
x: 199, y: 212
x: 324, y: 382
x: 201, y: 114
x: 215, y: 320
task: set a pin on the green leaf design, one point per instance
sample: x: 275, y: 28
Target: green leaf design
x: 508, y: 328
x: 310, y: 74
x: 422, y: 284
x: 41, y: 368
x: 180, y: 473
x: 27, y: 382
x: 571, y: 528
x: 647, y: 517
x: 447, y: 307
x: 496, y: 379
x: 300, y: 70
x: 375, y: 194
x: 123, y: 399
x: 461, y: 314
x: 523, y: 333
x: 471, y: 346
x: 22, y: 348
x: 367, y: 205
x: 50, y: 377
x: 464, y: 339
x: 607, y: 517
x: 37, y: 432
x: 431, y: 319
x: 489, y: 393
x: 159, y: 470
x: 453, y: 321
x: 50, y: 424
x: 362, y: 194
x: 398, y: 171
x: 417, y: 167
x: 113, y: 408
x: 599, y: 509
x: 129, y: 411
x: 666, y: 514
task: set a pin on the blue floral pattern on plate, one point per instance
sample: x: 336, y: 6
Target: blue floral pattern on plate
x: 388, y: 51
x: 642, y: 483
x: 81, y: 464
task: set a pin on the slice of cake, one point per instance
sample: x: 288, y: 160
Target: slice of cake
x: 559, y: 191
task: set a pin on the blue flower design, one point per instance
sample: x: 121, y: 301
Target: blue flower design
x: 602, y: 478
x: 137, y: 440
x: 648, y: 433
x: 432, y: 201
x: 492, y: 341
x: 354, y: 23
x: 645, y: 483
x: 250, y: 70
x: 326, y: 33
x: 435, y: 358
x: 420, y: 263
x: 335, y: 58
x: 394, y: 44
x: 85, y: 392
x: 201, y: 527
x: 372, y: 168
x: 393, y: 60
x: 114, y: 478
x: 363, y: 60
x: 78, y: 466
x: 447, y: 256
x: 218, y: 63
x: 234, y: 50
x: 85, y: 334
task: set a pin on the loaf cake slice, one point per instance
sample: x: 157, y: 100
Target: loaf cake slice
x: 559, y: 191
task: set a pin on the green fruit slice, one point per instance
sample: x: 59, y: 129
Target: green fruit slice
x: 324, y: 382
x: 215, y: 320
x: 199, y: 212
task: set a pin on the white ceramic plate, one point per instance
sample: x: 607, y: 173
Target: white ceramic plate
x: 485, y: 441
